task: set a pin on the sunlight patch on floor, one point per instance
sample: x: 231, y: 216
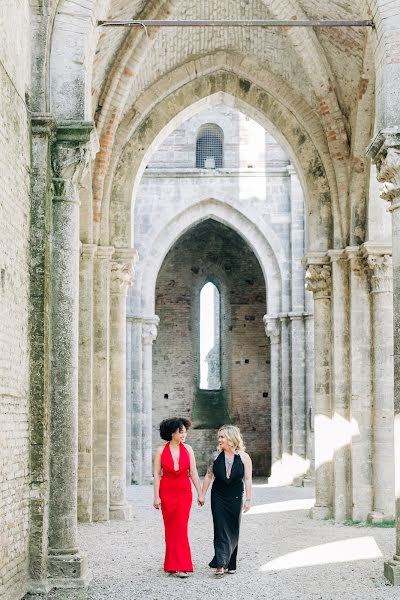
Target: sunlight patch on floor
x: 277, y: 507
x: 362, y: 548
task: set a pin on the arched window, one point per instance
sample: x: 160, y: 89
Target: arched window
x: 210, y: 341
x: 210, y: 147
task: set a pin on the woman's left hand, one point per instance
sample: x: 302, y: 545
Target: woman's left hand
x: 201, y: 500
x: 246, y: 506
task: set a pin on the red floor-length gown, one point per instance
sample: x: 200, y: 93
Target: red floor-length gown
x: 176, y: 502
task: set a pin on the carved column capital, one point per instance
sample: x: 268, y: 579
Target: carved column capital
x: 149, y: 329
x: 384, y: 151
x: 381, y: 273
x: 272, y: 328
x: 71, y: 151
x: 319, y: 280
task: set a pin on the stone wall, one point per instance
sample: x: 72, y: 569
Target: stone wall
x: 212, y: 252
x: 14, y: 290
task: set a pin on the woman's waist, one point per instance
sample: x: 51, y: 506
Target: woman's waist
x: 227, y: 489
x: 181, y: 479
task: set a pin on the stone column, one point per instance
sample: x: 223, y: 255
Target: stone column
x: 85, y: 384
x: 43, y: 128
x: 149, y: 334
x: 66, y: 565
x: 309, y: 480
x: 385, y: 152
x: 121, y: 278
x: 318, y: 281
x: 297, y: 356
x: 136, y: 400
x: 380, y: 267
x: 341, y: 385
x: 273, y: 331
x: 101, y: 379
x: 361, y: 395
x: 286, y: 404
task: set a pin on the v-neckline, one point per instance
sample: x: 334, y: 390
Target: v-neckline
x: 233, y: 462
x: 172, y: 456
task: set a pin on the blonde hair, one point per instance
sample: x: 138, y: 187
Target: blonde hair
x: 233, y: 436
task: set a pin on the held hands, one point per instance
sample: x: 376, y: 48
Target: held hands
x: 201, y: 500
x: 246, y: 506
x: 157, y: 503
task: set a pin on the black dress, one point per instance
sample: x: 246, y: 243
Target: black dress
x: 226, y: 507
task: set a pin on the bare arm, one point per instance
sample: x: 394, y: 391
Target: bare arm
x: 248, y: 481
x: 209, y: 475
x: 157, y: 477
x: 193, y: 474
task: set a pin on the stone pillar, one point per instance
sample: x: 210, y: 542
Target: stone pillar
x: 101, y: 379
x: 66, y: 565
x: 43, y: 127
x: 380, y: 267
x: 297, y: 356
x: 149, y: 334
x: 273, y: 331
x: 341, y: 386
x: 318, y: 281
x: 309, y: 480
x: 286, y: 404
x: 121, y: 278
x: 361, y: 395
x: 136, y: 400
x: 385, y: 152
x: 85, y: 384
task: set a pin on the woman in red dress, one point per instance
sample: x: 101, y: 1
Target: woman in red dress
x: 174, y: 466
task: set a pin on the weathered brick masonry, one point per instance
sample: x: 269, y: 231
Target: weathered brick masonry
x: 14, y: 297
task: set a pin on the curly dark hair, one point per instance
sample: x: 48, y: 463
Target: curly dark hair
x: 169, y: 426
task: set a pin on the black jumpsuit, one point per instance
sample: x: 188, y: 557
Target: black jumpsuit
x: 226, y: 507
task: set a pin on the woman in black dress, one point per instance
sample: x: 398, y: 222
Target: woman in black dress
x: 228, y: 467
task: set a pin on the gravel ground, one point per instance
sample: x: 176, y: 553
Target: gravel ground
x: 126, y: 557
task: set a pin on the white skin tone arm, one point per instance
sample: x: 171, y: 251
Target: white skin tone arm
x: 193, y: 474
x: 208, y: 477
x: 157, y: 477
x: 248, y: 482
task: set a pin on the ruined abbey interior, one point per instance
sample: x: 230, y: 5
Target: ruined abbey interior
x: 197, y: 221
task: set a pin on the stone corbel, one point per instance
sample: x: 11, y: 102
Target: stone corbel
x: 272, y: 328
x: 122, y: 270
x: 149, y: 329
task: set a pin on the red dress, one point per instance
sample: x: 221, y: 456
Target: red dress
x: 176, y: 502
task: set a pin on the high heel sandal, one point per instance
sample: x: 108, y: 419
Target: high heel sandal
x: 219, y: 572
x: 182, y: 574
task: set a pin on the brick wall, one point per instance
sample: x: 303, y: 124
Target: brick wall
x: 14, y: 288
x: 212, y: 251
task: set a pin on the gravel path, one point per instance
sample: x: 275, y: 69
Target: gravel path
x: 280, y: 555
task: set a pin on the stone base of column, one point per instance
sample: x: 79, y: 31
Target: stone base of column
x: 392, y: 570
x: 309, y: 482
x: 40, y: 586
x: 377, y: 518
x: 298, y: 481
x: 68, y: 571
x: 121, y: 513
x: 321, y: 513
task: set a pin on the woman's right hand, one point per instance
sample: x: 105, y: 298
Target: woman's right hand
x: 157, y: 503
